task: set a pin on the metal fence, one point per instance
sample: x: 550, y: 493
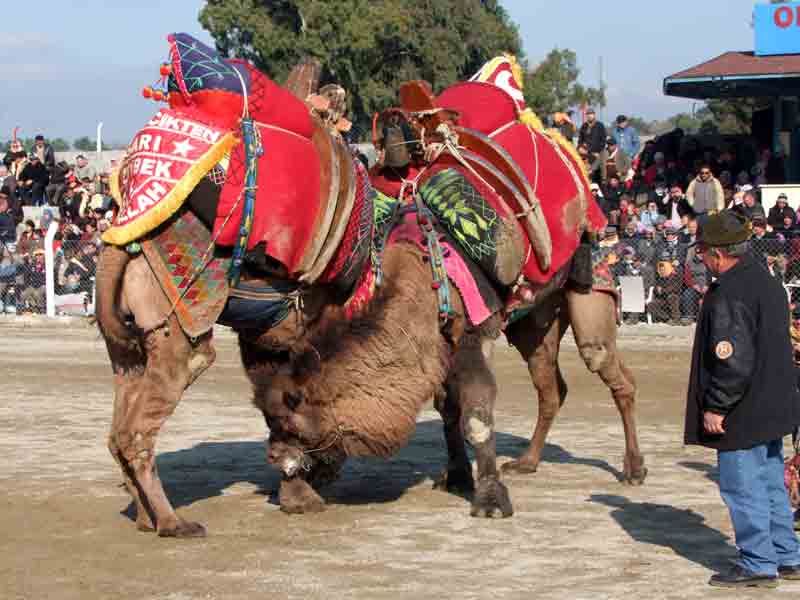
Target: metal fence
x: 664, y: 281
x: 48, y: 276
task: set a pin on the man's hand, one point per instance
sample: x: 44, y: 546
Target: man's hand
x: 712, y: 423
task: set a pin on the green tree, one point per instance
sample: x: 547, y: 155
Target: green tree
x: 368, y: 46
x: 85, y: 144
x: 553, y: 84
x: 59, y: 144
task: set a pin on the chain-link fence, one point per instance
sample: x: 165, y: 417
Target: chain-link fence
x: 40, y: 274
x: 662, y: 279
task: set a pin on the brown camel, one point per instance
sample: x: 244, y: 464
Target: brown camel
x: 538, y: 336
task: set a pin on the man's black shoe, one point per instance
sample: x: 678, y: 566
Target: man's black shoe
x: 789, y: 572
x: 740, y: 577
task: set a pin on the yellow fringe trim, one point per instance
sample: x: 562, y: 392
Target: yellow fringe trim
x: 125, y: 234
x: 490, y: 67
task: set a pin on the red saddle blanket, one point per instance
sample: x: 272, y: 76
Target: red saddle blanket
x: 553, y: 172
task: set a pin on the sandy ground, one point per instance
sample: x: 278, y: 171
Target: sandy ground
x: 577, y: 532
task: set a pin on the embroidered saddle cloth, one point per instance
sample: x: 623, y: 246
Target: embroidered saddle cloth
x: 307, y: 182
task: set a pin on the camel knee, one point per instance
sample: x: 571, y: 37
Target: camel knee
x: 594, y: 355
x: 477, y: 426
x: 136, y: 449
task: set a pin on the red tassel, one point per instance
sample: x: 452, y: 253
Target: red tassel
x: 165, y: 70
x: 158, y: 95
x: 147, y: 91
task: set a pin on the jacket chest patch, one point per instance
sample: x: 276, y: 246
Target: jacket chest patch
x: 724, y: 350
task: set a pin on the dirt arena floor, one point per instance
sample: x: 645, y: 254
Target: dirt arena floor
x: 577, y: 532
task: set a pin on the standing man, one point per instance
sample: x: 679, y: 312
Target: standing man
x: 705, y: 192
x: 593, y: 133
x: 743, y: 400
x: 627, y: 137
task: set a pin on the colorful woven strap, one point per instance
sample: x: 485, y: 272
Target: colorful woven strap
x: 252, y: 151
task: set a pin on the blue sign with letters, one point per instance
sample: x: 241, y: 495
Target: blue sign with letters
x: 777, y: 28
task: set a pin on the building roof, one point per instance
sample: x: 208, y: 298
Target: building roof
x: 736, y: 75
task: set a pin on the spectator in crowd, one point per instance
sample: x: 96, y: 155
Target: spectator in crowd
x: 84, y: 171
x: 612, y: 192
x: 597, y: 194
x: 760, y: 230
x: 665, y: 305
x: 593, y: 133
x: 8, y: 224
x: 705, y: 192
x: 776, y: 264
x: 71, y: 202
x: 696, y: 281
x: 33, y: 180
x: 45, y: 153
x: 689, y: 236
x: 779, y: 211
x: 614, y: 162
x: 788, y: 229
x: 649, y: 216
x: 626, y: 137
x: 32, y: 297
x: 14, y: 161
x: 59, y: 178
x: 29, y: 240
x: 648, y: 246
x: 10, y: 273
x: 593, y: 162
x: 629, y: 234
x: 563, y: 122
x: 749, y: 207
x: 671, y: 245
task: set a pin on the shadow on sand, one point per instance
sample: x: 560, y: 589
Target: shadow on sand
x: 684, y: 531
x: 208, y: 469
x: 710, y: 471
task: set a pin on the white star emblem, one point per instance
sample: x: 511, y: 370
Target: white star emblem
x: 182, y: 148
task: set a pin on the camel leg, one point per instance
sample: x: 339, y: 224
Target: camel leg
x: 538, y: 344
x: 472, y: 386
x: 594, y: 324
x: 457, y: 477
x: 147, y: 393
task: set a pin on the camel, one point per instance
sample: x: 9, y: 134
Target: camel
x: 333, y: 380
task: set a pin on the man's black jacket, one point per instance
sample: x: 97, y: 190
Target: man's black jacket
x: 742, y: 361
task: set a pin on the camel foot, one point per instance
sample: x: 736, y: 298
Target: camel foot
x: 298, y: 497
x: 183, y: 529
x: 635, y: 472
x: 520, y: 466
x: 491, y: 498
x: 145, y: 527
x: 456, y: 481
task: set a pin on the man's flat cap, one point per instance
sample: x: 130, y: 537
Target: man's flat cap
x: 724, y: 228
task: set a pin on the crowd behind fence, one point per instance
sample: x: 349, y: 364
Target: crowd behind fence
x: 46, y: 276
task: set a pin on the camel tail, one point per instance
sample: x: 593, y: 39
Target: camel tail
x: 110, y: 271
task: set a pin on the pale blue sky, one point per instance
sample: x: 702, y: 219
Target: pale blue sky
x: 66, y: 65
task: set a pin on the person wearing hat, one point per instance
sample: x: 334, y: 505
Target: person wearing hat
x: 626, y: 137
x: 781, y: 210
x: 743, y: 399
x: 665, y: 305
x: 33, y: 180
x: 704, y: 193
x: 614, y: 162
x: 593, y: 133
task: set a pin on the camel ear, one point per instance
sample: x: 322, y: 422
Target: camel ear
x: 319, y: 103
x: 303, y: 79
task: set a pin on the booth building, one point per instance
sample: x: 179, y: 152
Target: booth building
x: 770, y: 74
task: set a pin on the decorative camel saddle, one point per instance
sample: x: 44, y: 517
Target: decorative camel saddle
x: 228, y: 121
x: 515, y: 196
x: 229, y: 126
